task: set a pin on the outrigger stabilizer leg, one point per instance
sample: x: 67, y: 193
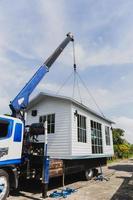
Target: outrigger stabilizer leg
x: 101, y: 176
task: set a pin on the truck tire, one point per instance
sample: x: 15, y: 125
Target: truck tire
x: 88, y: 174
x: 4, y: 184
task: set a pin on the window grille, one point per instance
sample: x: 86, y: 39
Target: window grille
x: 107, y: 135
x: 96, y: 137
x: 50, y: 122
x: 81, y: 126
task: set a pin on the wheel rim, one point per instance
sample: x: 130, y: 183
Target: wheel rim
x: 3, y: 186
x: 89, y: 173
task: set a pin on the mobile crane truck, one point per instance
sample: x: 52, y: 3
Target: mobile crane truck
x: 14, y: 145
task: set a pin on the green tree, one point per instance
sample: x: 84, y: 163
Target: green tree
x: 121, y: 147
x: 131, y: 149
x: 124, y: 150
x: 118, y: 135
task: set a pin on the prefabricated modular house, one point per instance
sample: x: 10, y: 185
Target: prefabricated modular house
x: 75, y: 132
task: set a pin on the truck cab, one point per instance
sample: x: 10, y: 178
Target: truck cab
x: 11, y: 139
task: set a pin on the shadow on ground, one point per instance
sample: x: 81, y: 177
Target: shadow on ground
x: 34, y: 187
x: 125, y: 191
x: 126, y: 168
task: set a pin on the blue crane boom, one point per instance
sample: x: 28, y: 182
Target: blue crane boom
x: 21, y: 101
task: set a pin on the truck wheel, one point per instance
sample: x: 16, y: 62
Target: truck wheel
x: 88, y: 174
x: 4, y: 184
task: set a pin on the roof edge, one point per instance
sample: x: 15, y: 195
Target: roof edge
x: 39, y: 97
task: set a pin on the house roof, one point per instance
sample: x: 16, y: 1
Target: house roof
x: 42, y: 95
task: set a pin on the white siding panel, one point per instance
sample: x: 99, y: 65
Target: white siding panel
x: 58, y: 142
x: 83, y: 149
x: 79, y: 148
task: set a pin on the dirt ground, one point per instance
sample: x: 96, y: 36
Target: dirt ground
x: 119, y: 186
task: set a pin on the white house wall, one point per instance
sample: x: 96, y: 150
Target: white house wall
x: 84, y: 149
x: 58, y: 142
x: 63, y: 143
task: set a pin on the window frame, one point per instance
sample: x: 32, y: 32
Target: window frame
x: 81, y: 128
x: 50, y: 122
x: 107, y: 135
x: 96, y: 137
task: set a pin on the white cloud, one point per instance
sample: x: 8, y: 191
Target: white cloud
x: 126, y: 124
x: 108, y: 36
x: 107, y: 55
x: 26, y: 40
x: 33, y: 31
x: 53, y: 26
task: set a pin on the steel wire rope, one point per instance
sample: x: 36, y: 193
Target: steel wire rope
x: 83, y: 83
x: 79, y: 89
x: 74, y: 82
x: 64, y: 83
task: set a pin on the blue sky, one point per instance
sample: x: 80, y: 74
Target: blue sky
x: 31, y: 30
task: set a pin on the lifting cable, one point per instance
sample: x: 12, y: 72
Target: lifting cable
x: 75, y: 75
x: 89, y: 93
x: 64, y: 83
x: 79, y: 91
x: 83, y: 83
x: 67, y: 79
x: 76, y: 79
x: 74, y: 66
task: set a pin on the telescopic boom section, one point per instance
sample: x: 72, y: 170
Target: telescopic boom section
x: 21, y: 101
x: 58, y: 51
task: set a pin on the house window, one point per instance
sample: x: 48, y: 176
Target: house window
x: 81, y: 126
x: 96, y: 137
x: 50, y: 118
x: 107, y: 135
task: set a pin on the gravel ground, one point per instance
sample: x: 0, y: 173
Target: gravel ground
x: 119, y: 186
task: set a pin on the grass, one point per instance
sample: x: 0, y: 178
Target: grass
x: 119, y: 159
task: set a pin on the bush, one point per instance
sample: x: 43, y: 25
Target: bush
x: 122, y: 149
